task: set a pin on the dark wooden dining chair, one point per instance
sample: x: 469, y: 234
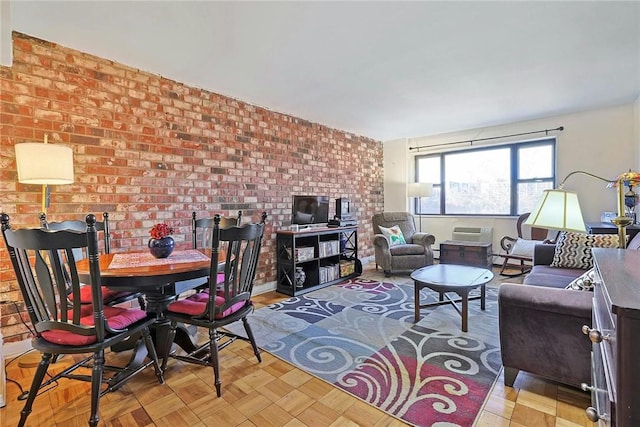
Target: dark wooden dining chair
x: 202, y: 228
x: 110, y: 297
x: 227, y: 303
x: 41, y: 260
x: 202, y: 231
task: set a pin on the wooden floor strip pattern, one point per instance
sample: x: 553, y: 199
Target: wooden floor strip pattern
x: 273, y: 393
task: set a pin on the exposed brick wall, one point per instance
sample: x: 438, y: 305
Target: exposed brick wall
x: 149, y: 149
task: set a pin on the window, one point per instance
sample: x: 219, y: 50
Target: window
x: 500, y: 180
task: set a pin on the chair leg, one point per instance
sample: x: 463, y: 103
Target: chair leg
x: 96, y: 384
x: 524, y: 268
x: 247, y: 328
x: 151, y: 349
x: 504, y: 265
x: 213, y: 357
x: 171, y: 335
x: 35, y: 387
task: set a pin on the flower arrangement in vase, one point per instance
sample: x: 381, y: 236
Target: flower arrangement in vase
x: 161, y: 243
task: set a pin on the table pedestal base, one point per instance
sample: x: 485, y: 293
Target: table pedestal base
x: 184, y: 338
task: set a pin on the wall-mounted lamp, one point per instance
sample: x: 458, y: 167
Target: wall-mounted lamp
x: 44, y: 164
x: 560, y: 209
x: 419, y: 190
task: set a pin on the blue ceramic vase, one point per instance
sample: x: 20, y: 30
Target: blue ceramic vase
x: 161, y: 248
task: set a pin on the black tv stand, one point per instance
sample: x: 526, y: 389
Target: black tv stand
x: 341, y: 223
x: 311, y: 226
x: 324, y: 255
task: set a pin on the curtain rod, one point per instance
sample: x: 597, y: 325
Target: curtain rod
x: 471, y: 141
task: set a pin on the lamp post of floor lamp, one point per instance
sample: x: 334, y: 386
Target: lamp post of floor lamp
x: 419, y: 190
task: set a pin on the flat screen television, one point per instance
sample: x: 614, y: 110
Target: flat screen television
x: 310, y: 210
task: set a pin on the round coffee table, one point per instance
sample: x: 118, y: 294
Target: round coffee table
x: 444, y: 278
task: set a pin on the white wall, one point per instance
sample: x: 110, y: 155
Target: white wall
x: 6, y: 44
x: 395, y: 175
x: 604, y: 142
x: 636, y: 114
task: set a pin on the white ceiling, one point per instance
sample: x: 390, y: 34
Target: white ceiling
x: 385, y: 70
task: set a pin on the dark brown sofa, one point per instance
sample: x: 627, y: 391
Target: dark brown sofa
x: 541, y: 322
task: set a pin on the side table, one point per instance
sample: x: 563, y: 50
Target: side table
x: 608, y: 228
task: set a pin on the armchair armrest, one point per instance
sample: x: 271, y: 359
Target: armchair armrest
x: 540, y: 332
x: 543, y: 253
x: 380, y: 241
x: 424, y: 239
x: 542, y: 299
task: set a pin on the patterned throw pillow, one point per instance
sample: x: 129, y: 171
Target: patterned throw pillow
x: 584, y: 282
x: 573, y: 250
x: 394, y: 235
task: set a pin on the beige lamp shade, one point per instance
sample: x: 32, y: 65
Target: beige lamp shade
x: 419, y: 189
x: 45, y: 164
x: 558, y: 210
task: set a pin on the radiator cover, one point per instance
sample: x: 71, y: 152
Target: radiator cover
x: 472, y: 234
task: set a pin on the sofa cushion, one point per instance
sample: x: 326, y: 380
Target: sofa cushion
x: 573, y: 250
x: 394, y: 234
x: 584, y: 282
x: 408, y: 249
x: 552, y: 277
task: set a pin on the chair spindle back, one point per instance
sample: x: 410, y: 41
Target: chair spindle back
x: 206, y: 226
x: 243, y: 244
x: 45, y: 265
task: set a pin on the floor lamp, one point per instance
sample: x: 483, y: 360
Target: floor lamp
x: 419, y: 190
x: 560, y: 209
x: 43, y: 164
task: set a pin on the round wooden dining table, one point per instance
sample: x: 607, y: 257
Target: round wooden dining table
x: 160, y: 281
x: 150, y: 276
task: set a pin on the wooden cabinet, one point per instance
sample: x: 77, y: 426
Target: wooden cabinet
x: 615, y: 388
x: 316, y: 257
x: 475, y: 254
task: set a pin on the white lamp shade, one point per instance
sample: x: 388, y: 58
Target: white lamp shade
x: 419, y: 189
x: 558, y: 210
x: 45, y: 164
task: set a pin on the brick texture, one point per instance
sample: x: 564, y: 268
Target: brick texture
x: 149, y: 149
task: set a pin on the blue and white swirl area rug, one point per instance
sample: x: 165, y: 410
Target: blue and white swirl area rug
x: 360, y: 336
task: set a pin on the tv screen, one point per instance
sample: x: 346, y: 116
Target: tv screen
x: 310, y: 210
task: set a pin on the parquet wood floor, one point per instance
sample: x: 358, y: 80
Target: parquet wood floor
x: 273, y: 393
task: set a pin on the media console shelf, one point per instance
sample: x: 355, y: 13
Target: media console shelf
x: 313, y: 258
